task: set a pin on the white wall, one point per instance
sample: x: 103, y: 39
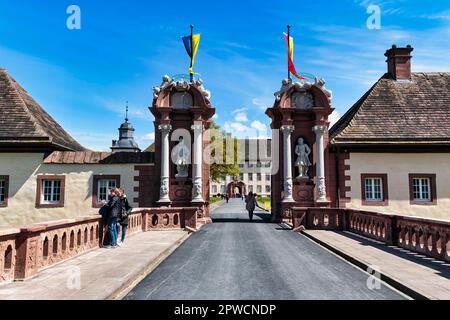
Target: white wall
x: 23, y: 169
x: 398, y: 166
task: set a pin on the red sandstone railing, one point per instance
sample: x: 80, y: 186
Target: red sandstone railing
x: 425, y: 236
x: 26, y: 250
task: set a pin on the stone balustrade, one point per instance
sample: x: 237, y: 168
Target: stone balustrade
x: 425, y: 236
x: 26, y: 250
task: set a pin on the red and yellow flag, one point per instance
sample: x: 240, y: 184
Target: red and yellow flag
x: 290, y: 44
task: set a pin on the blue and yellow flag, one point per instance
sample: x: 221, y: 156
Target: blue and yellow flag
x: 191, y: 44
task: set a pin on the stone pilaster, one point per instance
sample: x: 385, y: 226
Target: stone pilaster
x: 321, y: 194
x: 288, y: 185
x: 198, y: 161
x: 164, y: 189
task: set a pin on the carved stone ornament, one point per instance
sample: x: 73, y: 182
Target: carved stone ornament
x: 199, y: 83
x: 321, y: 190
x: 302, y: 100
x: 164, y: 189
x: 166, y: 81
x: 285, y: 85
x: 182, y: 100
x: 197, y: 189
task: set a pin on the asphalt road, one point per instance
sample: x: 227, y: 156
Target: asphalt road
x: 233, y: 259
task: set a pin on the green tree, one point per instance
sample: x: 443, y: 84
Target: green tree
x: 219, y: 170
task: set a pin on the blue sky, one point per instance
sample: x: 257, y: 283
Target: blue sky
x: 83, y: 77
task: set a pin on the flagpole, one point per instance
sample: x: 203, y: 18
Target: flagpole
x: 289, y: 48
x: 192, y: 52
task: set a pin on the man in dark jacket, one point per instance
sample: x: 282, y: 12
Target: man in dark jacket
x: 114, y: 207
x: 126, y: 210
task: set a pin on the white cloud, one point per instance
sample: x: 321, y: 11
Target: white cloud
x: 259, y: 126
x: 239, y: 110
x: 149, y: 137
x: 241, y: 117
x: 333, y: 118
x: 215, y: 116
x: 235, y: 127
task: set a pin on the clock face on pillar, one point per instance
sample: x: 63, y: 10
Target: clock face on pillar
x: 182, y: 100
x: 302, y: 100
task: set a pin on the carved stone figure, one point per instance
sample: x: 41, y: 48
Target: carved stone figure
x: 302, y: 150
x: 181, y: 155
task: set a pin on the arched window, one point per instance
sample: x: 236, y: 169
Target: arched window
x: 8, y: 258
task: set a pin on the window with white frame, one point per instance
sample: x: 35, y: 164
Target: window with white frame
x: 258, y: 189
x: 421, y: 189
x: 214, y: 189
x: 223, y: 188
x: 268, y: 177
x: 374, y: 189
x: 104, y: 187
x: 267, y: 188
x: 51, y: 191
x: 250, y: 177
x: 250, y: 188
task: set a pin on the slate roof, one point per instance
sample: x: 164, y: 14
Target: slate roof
x: 24, y: 122
x: 91, y: 157
x: 399, y: 112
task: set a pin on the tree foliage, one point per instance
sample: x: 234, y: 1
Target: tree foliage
x: 218, y: 145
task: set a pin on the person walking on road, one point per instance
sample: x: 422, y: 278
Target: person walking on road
x: 250, y: 201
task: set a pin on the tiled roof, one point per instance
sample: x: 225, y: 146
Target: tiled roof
x: 91, y: 157
x: 23, y: 121
x: 399, y: 112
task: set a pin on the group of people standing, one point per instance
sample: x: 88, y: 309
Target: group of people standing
x: 115, y: 213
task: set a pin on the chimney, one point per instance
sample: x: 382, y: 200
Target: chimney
x: 399, y: 62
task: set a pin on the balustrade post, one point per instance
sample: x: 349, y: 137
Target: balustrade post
x: 28, y: 255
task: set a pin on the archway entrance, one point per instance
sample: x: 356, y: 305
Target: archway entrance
x: 236, y: 188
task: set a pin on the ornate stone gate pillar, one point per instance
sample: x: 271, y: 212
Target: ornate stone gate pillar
x: 321, y: 194
x: 287, y: 131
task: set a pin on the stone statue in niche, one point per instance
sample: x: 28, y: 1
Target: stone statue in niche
x: 302, y: 150
x: 181, y: 156
x: 302, y: 100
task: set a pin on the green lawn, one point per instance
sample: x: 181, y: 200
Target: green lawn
x: 214, y: 199
x: 264, y: 202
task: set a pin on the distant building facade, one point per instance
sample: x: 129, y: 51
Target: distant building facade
x: 255, y: 170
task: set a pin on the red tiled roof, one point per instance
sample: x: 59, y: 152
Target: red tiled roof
x: 399, y: 112
x: 91, y: 157
x: 24, y: 121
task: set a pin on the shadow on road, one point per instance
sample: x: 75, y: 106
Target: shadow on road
x: 258, y: 217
